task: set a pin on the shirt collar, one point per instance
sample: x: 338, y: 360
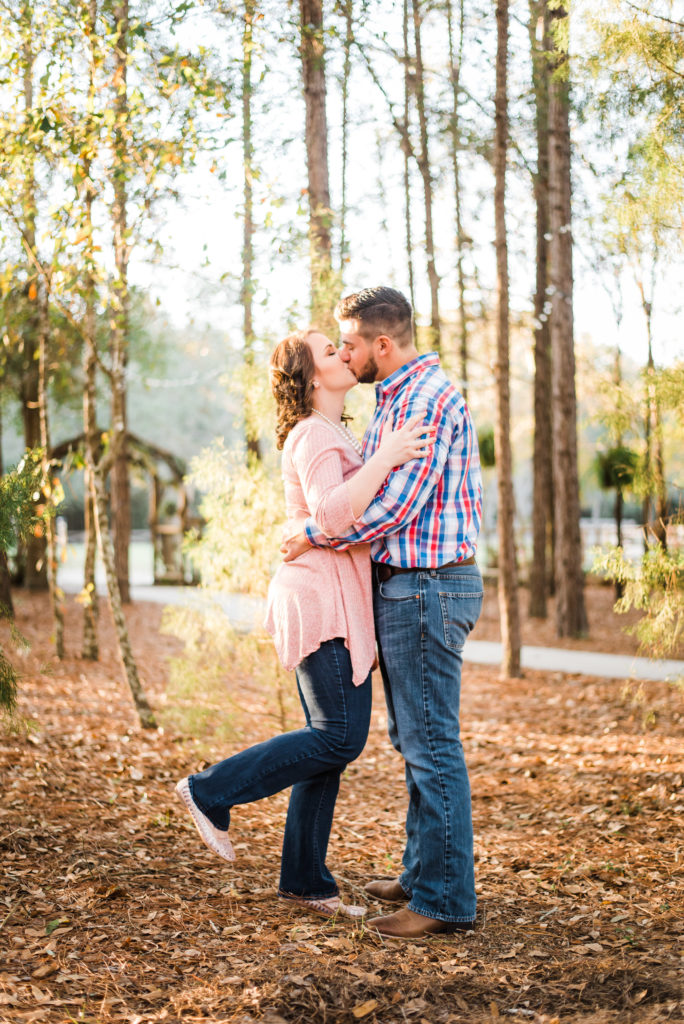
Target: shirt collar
x: 390, y: 384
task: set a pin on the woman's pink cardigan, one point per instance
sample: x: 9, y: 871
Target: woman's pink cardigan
x: 324, y: 593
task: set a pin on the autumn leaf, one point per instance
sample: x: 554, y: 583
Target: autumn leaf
x: 52, y: 925
x: 45, y: 971
x: 363, y: 1009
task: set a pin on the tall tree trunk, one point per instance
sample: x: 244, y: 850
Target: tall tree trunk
x: 619, y: 499
x: 455, y: 64
x: 6, y: 605
x: 406, y: 151
x: 90, y: 649
x: 49, y: 521
x: 120, y: 485
x: 654, y: 463
x: 94, y: 461
x: 571, y: 616
x: 348, y: 11
x: 320, y: 248
x: 508, y: 572
x: 247, y: 294
x: 106, y: 547
x: 34, y: 548
x: 660, y: 525
x: 90, y: 646
x: 35, y: 577
x: 542, y: 496
x: 426, y: 175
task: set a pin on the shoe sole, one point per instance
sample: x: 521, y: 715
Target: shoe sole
x: 457, y: 930
x: 221, y: 847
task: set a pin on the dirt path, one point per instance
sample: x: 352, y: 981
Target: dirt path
x: 114, y: 912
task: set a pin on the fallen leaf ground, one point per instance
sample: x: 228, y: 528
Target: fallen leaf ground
x: 113, y: 911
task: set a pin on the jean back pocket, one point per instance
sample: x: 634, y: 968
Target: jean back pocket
x: 460, y: 612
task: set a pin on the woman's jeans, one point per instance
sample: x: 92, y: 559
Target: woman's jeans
x: 422, y: 619
x: 311, y: 760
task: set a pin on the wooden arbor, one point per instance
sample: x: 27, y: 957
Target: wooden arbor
x: 170, y: 516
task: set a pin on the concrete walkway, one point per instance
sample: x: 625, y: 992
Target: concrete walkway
x: 586, y: 663
x: 246, y: 612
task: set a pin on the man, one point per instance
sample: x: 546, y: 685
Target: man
x: 423, y: 528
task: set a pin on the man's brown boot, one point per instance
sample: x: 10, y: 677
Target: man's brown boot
x: 406, y: 924
x: 387, y: 889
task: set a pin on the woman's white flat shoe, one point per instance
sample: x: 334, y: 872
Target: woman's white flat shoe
x: 330, y: 907
x: 215, y: 839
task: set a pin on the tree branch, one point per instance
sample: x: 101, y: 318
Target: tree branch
x: 652, y: 14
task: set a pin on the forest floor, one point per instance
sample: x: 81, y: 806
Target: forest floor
x: 112, y: 910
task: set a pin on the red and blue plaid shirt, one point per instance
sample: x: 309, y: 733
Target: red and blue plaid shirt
x: 428, y: 511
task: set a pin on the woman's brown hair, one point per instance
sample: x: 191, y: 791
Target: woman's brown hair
x: 292, y: 372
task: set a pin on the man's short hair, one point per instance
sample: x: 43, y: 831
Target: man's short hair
x: 379, y: 310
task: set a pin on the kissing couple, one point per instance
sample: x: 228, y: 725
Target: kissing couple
x: 380, y: 549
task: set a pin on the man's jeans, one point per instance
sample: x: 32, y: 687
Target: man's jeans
x: 422, y: 620
x: 311, y: 760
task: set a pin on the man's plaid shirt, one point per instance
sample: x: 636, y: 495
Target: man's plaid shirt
x: 428, y: 511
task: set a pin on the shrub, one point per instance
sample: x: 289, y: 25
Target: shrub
x: 226, y: 672
x: 656, y: 587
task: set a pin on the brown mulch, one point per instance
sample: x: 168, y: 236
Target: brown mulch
x: 111, y: 910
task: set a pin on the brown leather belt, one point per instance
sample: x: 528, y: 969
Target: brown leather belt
x: 383, y: 571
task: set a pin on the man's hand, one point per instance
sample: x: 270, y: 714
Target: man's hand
x: 293, y: 547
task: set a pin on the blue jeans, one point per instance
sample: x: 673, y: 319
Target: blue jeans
x: 311, y: 760
x: 422, y: 621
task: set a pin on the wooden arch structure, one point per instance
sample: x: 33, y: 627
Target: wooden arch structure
x: 169, y: 516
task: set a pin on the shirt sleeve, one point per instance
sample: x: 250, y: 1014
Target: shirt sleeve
x: 319, y: 467
x: 405, y: 491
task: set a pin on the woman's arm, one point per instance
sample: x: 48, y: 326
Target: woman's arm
x: 412, y: 441
x: 335, y: 503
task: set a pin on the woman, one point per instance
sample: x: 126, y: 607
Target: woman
x: 320, y: 614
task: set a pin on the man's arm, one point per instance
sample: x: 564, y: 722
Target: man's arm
x: 405, y: 492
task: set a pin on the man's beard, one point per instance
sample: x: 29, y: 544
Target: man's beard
x: 368, y: 372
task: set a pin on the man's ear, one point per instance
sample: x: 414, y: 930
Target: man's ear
x: 383, y: 345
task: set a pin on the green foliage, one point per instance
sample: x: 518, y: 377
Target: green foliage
x: 75, y: 141
x: 243, y: 506
x: 21, y: 510
x: 622, y: 409
x: 619, y: 407
x: 214, y: 681
x: 485, y: 440
x: 669, y: 385
x: 616, y: 467
x: 223, y: 677
x: 637, y: 61
x: 20, y: 491
x: 8, y: 686
x: 18, y: 488
x: 655, y: 587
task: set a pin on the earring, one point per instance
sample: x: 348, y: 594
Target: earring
x: 315, y: 384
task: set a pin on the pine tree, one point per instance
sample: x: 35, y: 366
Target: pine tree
x: 571, y: 616
x: 508, y: 571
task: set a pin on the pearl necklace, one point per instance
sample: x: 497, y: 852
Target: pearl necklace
x: 343, y: 431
